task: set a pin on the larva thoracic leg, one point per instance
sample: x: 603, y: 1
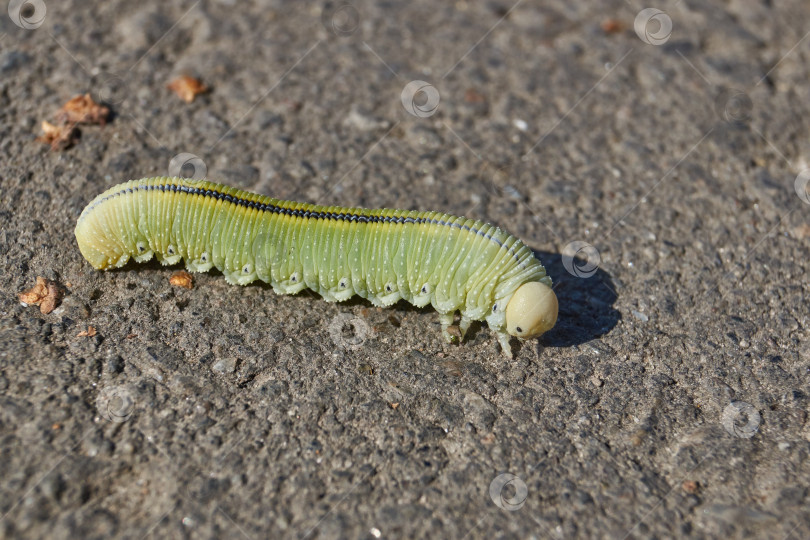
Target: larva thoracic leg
x: 454, y: 264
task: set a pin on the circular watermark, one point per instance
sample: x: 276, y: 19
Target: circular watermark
x: 348, y: 332
x: 110, y: 88
x: 420, y: 99
x: 500, y: 183
x: 741, y: 419
x: 28, y: 14
x: 581, y: 250
x: 508, y: 492
x: 189, y: 166
x: 498, y: 188
x: 115, y: 403
x: 342, y: 19
x: 802, y: 186
x: 733, y: 106
x: 653, y: 26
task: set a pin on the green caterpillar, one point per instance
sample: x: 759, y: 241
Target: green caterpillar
x: 453, y: 263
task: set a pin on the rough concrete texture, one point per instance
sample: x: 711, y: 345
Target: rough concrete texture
x: 671, y: 399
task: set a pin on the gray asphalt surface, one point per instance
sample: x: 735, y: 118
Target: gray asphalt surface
x: 671, y: 399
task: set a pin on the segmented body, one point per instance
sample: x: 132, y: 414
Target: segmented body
x: 452, y: 263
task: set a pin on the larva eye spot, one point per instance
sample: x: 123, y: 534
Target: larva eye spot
x: 141, y: 247
x: 531, y: 311
x: 170, y: 250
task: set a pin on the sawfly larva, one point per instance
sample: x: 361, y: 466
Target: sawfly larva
x: 453, y: 263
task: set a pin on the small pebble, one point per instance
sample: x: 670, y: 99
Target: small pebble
x: 225, y: 365
x: 640, y: 316
x: 520, y: 124
x: 115, y: 364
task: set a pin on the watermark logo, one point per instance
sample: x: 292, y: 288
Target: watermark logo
x: 348, y: 332
x: 28, y: 14
x: 110, y: 88
x: 115, y: 404
x: 733, y: 106
x: 653, y: 26
x: 420, y: 99
x: 342, y: 20
x: 802, y: 184
x: 741, y: 419
x: 583, y: 251
x: 508, y: 492
x: 188, y: 166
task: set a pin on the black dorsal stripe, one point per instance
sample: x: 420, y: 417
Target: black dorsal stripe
x: 297, y: 213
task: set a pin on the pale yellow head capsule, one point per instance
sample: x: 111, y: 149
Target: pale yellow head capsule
x: 531, y: 311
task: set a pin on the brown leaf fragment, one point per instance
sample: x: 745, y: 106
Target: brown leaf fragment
x: 52, y: 298
x: 690, y: 486
x: 801, y: 231
x: 35, y: 294
x: 181, y: 278
x: 83, y: 110
x: 90, y: 332
x: 471, y: 95
x: 59, y: 137
x: 187, y: 87
x: 46, y: 294
x: 489, y: 438
x: 612, y: 26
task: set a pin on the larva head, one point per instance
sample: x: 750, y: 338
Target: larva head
x: 531, y: 311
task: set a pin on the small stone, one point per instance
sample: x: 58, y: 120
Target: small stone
x: 115, y: 364
x: 275, y: 334
x: 364, y: 122
x: 52, y: 486
x: 225, y: 366
x: 11, y: 60
x: 73, y: 307
x: 640, y: 316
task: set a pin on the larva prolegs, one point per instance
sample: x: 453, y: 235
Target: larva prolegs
x: 446, y: 320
